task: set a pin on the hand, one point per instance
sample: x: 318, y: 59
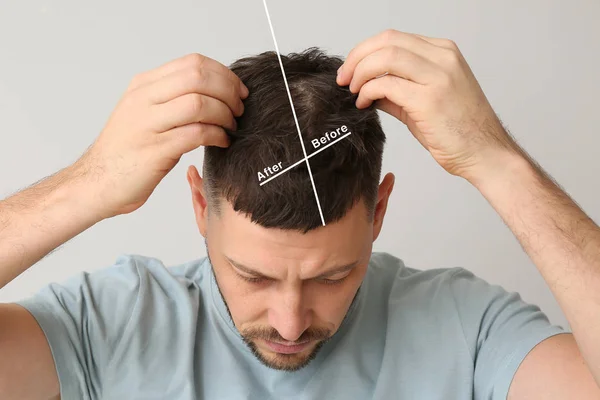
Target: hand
x: 430, y: 88
x: 163, y: 114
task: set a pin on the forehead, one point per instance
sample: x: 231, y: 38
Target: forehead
x: 342, y: 242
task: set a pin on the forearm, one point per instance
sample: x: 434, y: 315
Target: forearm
x: 40, y: 218
x: 561, y: 240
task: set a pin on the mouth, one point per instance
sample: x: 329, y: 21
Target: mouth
x: 291, y: 348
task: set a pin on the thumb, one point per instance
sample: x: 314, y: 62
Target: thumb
x: 400, y: 113
x: 391, y: 108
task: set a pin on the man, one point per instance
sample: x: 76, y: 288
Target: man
x: 286, y: 308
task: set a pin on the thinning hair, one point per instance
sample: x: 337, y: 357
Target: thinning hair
x: 345, y: 173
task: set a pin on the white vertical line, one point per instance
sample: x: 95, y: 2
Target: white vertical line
x: 294, y: 112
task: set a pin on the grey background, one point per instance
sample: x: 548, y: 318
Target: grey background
x: 64, y: 64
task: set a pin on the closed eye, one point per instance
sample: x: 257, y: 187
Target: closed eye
x: 252, y: 279
x: 258, y: 280
x: 333, y: 281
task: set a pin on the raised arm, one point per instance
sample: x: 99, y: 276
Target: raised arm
x: 427, y: 84
x: 164, y: 113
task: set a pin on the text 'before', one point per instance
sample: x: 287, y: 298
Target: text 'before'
x: 329, y: 136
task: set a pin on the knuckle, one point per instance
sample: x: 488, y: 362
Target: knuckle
x: 130, y: 99
x: 393, y: 53
x: 195, y: 59
x: 451, y: 58
x: 389, y: 34
x: 450, y: 44
x: 198, y: 77
x: 198, y: 130
x: 202, y: 134
x: 196, y: 103
x: 136, y: 81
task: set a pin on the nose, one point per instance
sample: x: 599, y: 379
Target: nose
x: 288, y: 315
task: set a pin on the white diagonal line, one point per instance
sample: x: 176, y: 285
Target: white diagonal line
x: 285, y: 170
x: 330, y: 144
x: 304, y: 159
x: 294, y: 112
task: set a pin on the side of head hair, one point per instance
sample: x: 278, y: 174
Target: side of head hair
x: 344, y: 173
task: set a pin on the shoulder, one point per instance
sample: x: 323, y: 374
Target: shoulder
x: 118, y: 316
x: 456, y: 295
x: 385, y: 267
x: 129, y: 280
x: 451, y: 290
x: 133, y: 270
x: 134, y: 288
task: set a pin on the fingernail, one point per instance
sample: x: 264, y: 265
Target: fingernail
x: 245, y: 90
x: 339, y: 72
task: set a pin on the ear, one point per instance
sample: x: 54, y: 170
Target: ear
x: 198, y: 198
x: 383, y: 195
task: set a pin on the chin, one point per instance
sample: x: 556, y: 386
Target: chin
x: 286, y: 362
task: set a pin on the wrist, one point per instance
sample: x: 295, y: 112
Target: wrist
x: 74, y: 188
x: 499, y: 169
x: 41, y: 218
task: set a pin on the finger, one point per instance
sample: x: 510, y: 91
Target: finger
x: 397, y: 90
x: 189, y: 80
x: 191, y: 108
x: 390, y: 108
x: 186, y: 138
x: 155, y: 74
x: 387, y: 38
x: 394, y: 61
x: 193, y: 60
x: 398, y: 112
x: 445, y: 43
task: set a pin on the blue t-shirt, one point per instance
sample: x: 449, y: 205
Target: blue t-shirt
x: 139, y: 330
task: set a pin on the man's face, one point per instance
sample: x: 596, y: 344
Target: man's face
x: 288, y: 292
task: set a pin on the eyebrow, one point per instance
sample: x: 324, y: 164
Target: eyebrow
x: 333, y: 271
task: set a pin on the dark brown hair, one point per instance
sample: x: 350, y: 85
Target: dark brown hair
x: 343, y: 173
